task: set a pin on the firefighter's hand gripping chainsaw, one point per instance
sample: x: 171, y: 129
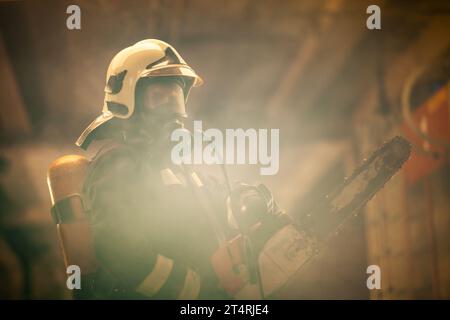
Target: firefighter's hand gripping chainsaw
x: 272, y: 247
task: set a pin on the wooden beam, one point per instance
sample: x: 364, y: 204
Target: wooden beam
x: 336, y: 47
x: 312, y: 45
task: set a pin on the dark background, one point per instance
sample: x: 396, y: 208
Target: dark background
x: 310, y: 68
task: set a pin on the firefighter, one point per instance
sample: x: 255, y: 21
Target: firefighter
x: 155, y: 225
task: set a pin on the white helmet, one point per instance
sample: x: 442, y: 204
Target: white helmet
x: 146, y: 58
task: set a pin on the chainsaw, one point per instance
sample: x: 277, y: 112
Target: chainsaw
x: 264, y: 256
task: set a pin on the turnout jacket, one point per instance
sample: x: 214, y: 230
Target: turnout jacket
x: 153, y: 236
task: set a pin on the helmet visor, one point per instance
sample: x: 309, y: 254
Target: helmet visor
x: 181, y: 70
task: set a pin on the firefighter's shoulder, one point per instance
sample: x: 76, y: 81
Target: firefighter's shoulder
x: 115, y: 161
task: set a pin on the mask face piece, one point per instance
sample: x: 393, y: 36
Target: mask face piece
x: 160, y: 106
x: 163, y: 98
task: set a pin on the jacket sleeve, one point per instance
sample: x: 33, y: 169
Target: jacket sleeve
x: 120, y: 210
